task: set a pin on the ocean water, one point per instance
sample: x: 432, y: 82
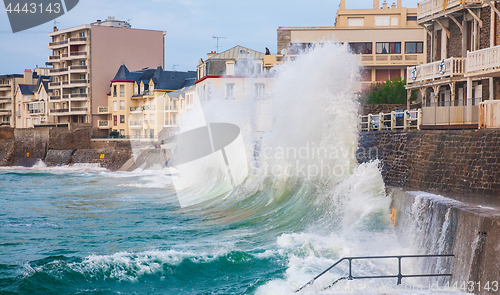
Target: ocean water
x: 305, y: 204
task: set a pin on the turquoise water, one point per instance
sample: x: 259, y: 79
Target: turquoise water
x: 86, y: 230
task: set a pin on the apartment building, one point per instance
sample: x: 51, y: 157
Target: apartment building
x: 386, y: 39
x: 461, y: 70
x: 143, y: 103
x: 8, y: 87
x: 32, y: 103
x: 85, y: 59
x: 236, y: 73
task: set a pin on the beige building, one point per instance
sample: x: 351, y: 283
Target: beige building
x: 143, y: 103
x: 32, y: 103
x: 459, y: 80
x: 234, y: 74
x: 386, y: 38
x: 9, y: 87
x: 85, y: 59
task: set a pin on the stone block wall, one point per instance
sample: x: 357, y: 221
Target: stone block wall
x: 458, y: 161
x: 31, y: 145
x: 455, y: 42
x: 484, y: 32
x: 113, y: 158
x: 380, y: 108
x: 284, y: 39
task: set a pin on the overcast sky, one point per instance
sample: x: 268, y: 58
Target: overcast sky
x: 190, y: 26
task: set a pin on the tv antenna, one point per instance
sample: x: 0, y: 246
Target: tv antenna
x: 173, y: 67
x: 215, y: 37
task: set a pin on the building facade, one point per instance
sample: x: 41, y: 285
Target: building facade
x: 461, y: 71
x: 386, y: 39
x: 85, y: 59
x: 141, y: 104
x: 236, y: 73
x: 32, y: 104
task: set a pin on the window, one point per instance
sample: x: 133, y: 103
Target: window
x: 152, y: 118
x: 82, y: 34
x: 388, y: 47
x: 411, y: 18
x: 114, y: 90
x: 136, y: 89
x: 115, y: 106
x: 122, y: 118
x: 355, y: 21
x: 361, y: 47
x: 175, y: 104
x: 414, y: 47
x: 230, y: 90
x: 122, y: 104
x: 259, y: 90
x: 115, y: 120
x: 145, y: 118
x: 122, y: 132
x: 151, y: 133
x: 122, y: 90
x: 382, y: 21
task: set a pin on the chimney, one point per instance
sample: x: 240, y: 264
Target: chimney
x: 55, y: 29
x: 212, y: 53
x: 393, y: 6
x: 342, y: 4
x: 28, y: 77
x: 376, y: 4
x: 384, y: 5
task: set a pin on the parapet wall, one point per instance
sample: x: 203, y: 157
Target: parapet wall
x: 458, y: 161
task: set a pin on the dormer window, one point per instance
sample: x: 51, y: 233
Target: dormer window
x: 151, y: 87
x: 142, y: 88
x: 136, y: 89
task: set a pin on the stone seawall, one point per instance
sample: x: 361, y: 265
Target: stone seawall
x: 439, y: 225
x: 458, y: 161
x: 58, y: 146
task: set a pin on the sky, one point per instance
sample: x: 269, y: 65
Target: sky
x: 190, y: 26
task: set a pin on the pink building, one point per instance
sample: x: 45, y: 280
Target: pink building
x: 85, y: 59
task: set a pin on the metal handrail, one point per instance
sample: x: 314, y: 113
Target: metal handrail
x: 399, y: 276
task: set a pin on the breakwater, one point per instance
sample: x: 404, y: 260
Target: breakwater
x: 443, y: 161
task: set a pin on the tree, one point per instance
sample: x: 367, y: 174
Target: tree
x: 390, y: 92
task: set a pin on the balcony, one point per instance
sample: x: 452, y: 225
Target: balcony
x: 447, y: 68
x: 75, y: 55
x: 78, y: 69
x: 4, y: 87
x: 135, y: 123
x: 54, y: 84
x: 429, y: 9
x: 74, y: 83
x: 59, y: 112
x: 79, y: 96
x: 103, y: 110
x: 36, y: 112
x: 78, y: 110
x: 484, y: 62
x: 4, y: 112
x: 78, y: 40
x: 149, y: 108
x: 58, y: 44
x: 390, y: 59
x: 136, y: 109
x: 103, y: 124
x: 59, y: 71
x: 53, y: 97
x: 54, y: 58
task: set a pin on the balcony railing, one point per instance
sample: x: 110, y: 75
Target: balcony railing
x: 390, y: 121
x: 36, y: 111
x: 4, y: 85
x: 79, y: 95
x: 54, y: 97
x: 103, y: 124
x: 78, y: 109
x: 483, y: 61
x: 77, y: 53
x: 79, y: 81
x: 51, y: 44
x: 489, y: 114
x: 77, y: 68
x: 429, y: 7
x: 439, y: 69
x: 135, y: 109
x: 52, y: 57
x: 54, y: 84
x: 78, y: 39
x: 103, y: 110
x: 149, y: 108
x: 59, y: 110
x: 58, y: 70
x: 454, y: 112
x: 135, y: 123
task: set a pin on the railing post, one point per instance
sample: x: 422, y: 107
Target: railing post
x: 405, y: 119
x: 419, y: 118
x: 400, y: 276
x: 350, y: 270
x: 393, y: 120
x: 380, y: 121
